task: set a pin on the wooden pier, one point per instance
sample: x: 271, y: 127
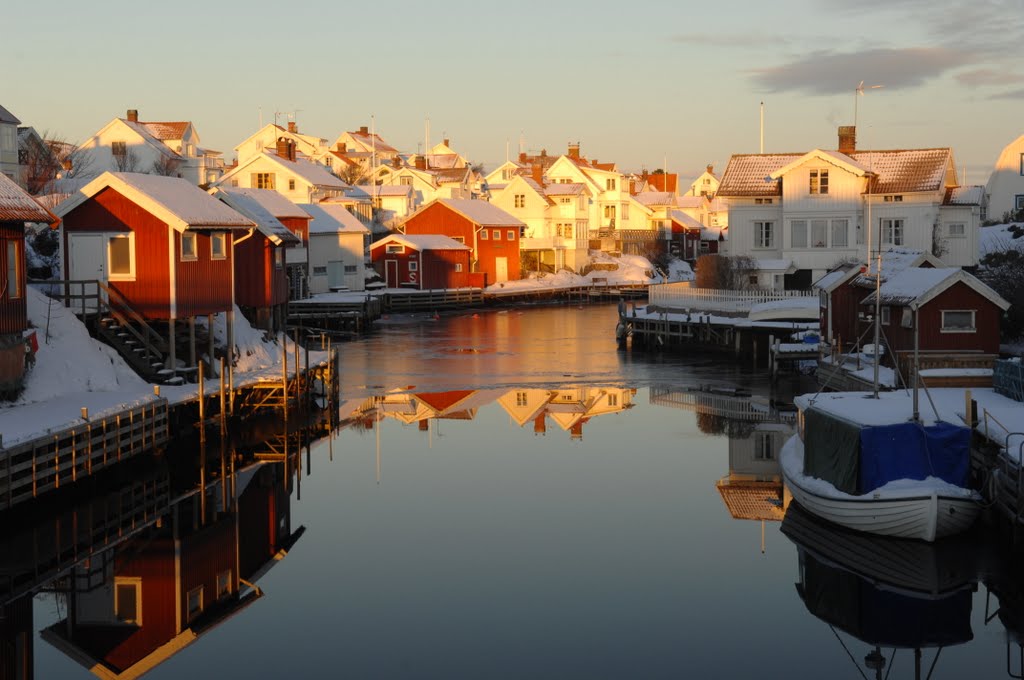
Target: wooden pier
x: 41, y: 464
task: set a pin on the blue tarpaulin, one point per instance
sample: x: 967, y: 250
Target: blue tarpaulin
x: 913, y: 451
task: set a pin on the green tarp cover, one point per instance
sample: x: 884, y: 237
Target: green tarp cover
x: 832, y: 450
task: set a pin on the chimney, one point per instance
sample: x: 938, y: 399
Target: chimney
x: 446, y: 143
x: 363, y: 130
x: 574, y: 150
x: 342, y: 148
x: 537, y: 170
x: 540, y: 425
x: 133, y: 115
x: 632, y: 187
x: 396, y: 162
x: 522, y: 156
x: 421, y: 162
x: 293, y: 127
x: 847, y: 139
x: 643, y: 175
x: 576, y: 431
x: 423, y: 425
x: 710, y: 169
x: 282, y: 147
x: 291, y: 150
x: 543, y: 153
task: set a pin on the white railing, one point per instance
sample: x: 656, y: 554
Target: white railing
x: 681, y: 295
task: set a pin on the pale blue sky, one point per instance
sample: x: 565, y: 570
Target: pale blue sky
x: 633, y: 82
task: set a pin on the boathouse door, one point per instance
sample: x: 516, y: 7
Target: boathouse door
x: 88, y: 263
x: 500, y: 269
x: 336, y: 275
x: 391, y: 273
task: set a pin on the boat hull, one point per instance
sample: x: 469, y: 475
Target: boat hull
x: 925, y: 517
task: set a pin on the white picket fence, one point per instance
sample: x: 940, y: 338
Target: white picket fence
x: 681, y: 295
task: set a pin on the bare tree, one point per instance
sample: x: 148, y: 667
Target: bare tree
x: 126, y: 160
x: 166, y: 165
x: 47, y: 158
x: 727, y: 273
x: 352, y: 174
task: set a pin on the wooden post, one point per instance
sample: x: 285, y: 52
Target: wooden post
x: 172, y: 350
x: 284, y: 378
x: 191, y: 341
x: 209, y: 340
x: 298, y: 378
x: 231, y: 361
x: 202, y: 406
x: 223, y: 421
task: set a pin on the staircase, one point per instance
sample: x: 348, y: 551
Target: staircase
x: 146, y: 357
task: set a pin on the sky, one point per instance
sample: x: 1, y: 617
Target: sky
x: 644, y: 85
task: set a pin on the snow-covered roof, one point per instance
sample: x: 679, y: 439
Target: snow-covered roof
x: 423, y: 242
x: 386, y: 189
x: 833, y: 157
x: 150, y: 139
x: 831, y: 280
x: 314, y: 173
x: 481, y: 212
x: 895, y: 260
x: 918, y: 285
x: 805, y: 307
x: 16, y: 205
x: 257, y: 206
x: 687, y: 221
x: 690, y: 201
x: 275, y: 203
x: 562, y: 189
x: 176, y: 201
x: 972, y: 195
x: 331, y: 218
x: 167, y: 130
x: 650, y: 198
x: 8, y: 117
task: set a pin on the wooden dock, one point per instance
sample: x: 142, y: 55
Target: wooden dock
x: 35, y: 466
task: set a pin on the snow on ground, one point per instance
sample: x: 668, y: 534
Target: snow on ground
x: 680, y: 270
x: 849, y: 364
x: 1000, y: 237
x: 629, y: 270
x: 798, y: 327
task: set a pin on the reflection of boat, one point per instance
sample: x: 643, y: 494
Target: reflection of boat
x: 888, y: 593
x: 905, y: 479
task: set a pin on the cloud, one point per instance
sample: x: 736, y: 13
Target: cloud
x: 1012, y: 94
x: 826, y: 73
x: 749, y: 40
x: 988, y: 76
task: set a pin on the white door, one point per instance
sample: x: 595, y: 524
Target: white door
x: 335, y: 274
x: 88, y: 255
x: 500, y: 269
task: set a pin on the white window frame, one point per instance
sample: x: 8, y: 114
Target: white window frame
x: 520, y: 200
x: 137, y: 583
x: 320, y: 270
x: 798, y: 228
x: 956, y: 230
x: 818, y: 182
x: 484, y: 235
x: 191, y: 237
x: 510, y: 235
x: 496, y: 234
x: 130, y: 276
x: 263, y: 180
x: 394, y: 249
x: 886, y: 315
x: 890, y: 228
x: 819, y: 227
x: 841, y: 226
x: 14, y: 266
x: 190, y: 612
x: 609, y: 184
x: 458, y: 267
x: 764, y: 235
x: 974, y: 321
x: 1018, y: 201
x: 278, y: 258
x: 764, y: 446
x: 222, y: 238
x: 414, y: 266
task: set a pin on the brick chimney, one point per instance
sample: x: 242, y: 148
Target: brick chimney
x: 423, y: 424
x: 576, y: 431
x: 540, y: 425
x: 133, y: 115
x: 643, y: 175
x: 396, y: 162
x: 537, y: 172
x: 522, y: 156
x: 847, y: 139
x: 363, y: 130
x: 574, y: 150
x: 286, y: 148
x: 710, y: 169
x: 446, y: 140
x: 543, y: 153
x: 293, y: 127
x: 421, y: 162
x: 342, y: 148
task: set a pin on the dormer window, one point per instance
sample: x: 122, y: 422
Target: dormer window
x: 819, y: 182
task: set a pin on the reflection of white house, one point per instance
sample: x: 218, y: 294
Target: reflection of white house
x: 753, y: 488
x: 570, y: 408
x: 337, y: 246
x: 803, y: 213
x: 1006, y: 184
x: 161, y: 148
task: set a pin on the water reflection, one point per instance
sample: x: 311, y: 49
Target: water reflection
x: 889, y: 594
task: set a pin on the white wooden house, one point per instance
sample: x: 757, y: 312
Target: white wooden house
x: 337, y: 248
x: 299, y: 180
x: 1006, y: 183
x: 266, y: 139
x: 9, y: 145
x: 803, y: 213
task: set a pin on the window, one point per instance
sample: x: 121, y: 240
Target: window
x: 188, y: 246
x: 218, y: 245
x: 819, y: 182
x: 459, y: 239
x: 958, y: 321
x: 263, y: 180
x: 278, y: 258
x: 414, y: 265
x: 520, y: 200
x: 1022, y: 164
x: 762, y: 201
x: 13, y: 270
x: 892, y: 232
x: 119, y: 149
x: 752, y: 279
x: 121, y: 257
x: 956, y: 230
x: 496, y: 235
x: 565, y: 200
x: 507, y: 173
x: 291, y: 185
x: 223, y: 584
x: 613, y: 400
x: 798, y: 233
x: 510, y: 235
x: 625, y: 211
x: 128, y: 600
x: 458, y: 267
x: 839, y: 233
x: 609, y: 211
x: 483, y: 234
x: 764, y: 236
x: 405, y: 181
x: 351, y: 269
x: 521, y: 399
x: 195, y: 602
x: 319, y: 271
x: 886, y: 316
x: 609, y: 184
x: 819, y: 233
x: 764, y: 446
x: 395, y: 248
x: 1018, y: 201
x: 234, y: 182
x: 892, y: 199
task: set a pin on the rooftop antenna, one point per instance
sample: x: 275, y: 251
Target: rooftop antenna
x: 522, y: 141
x: 762, y: 127
x: 426, y: 141
x: 857, y: 94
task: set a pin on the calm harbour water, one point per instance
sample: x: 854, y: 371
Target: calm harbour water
x: 510, y: 496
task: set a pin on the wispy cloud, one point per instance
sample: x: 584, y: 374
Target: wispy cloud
x: 1012, y: 94
x: 826, y: 73
x: 988, y: 76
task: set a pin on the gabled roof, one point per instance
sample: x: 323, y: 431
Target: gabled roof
x: 450, y: 175
x: 479, y: 212
x: 166, y: 131
x: 691, y: 201
x: 833, y: 157
x: 16, y: 205
x: 750, y: 174
x: 973, y: 195
x: 894, y: 261
x: 919, y: 286
x: 257, y: 205
x: 650, y: 198
x: 142, y: 131
x: 422, y: 242
x: 752, y: 500
x: 310, y: 172
x: 386, y: 189
x: 668, y: 182
x: 8, y: 117
x: 371, y: 139
x: 332, y: 218
x: 179, y: 203
x: 688, y: 222
x: 563, y: 189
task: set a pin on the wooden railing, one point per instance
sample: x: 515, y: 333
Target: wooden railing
x: 682, y: 295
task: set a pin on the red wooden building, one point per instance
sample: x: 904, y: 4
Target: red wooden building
x: 16, y: 208
x: 491, y: 233
x: 691, y: 239
x: 842, y: 290
x: 424, y: 262
x: 161, y: 243
x: 261, y: 280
